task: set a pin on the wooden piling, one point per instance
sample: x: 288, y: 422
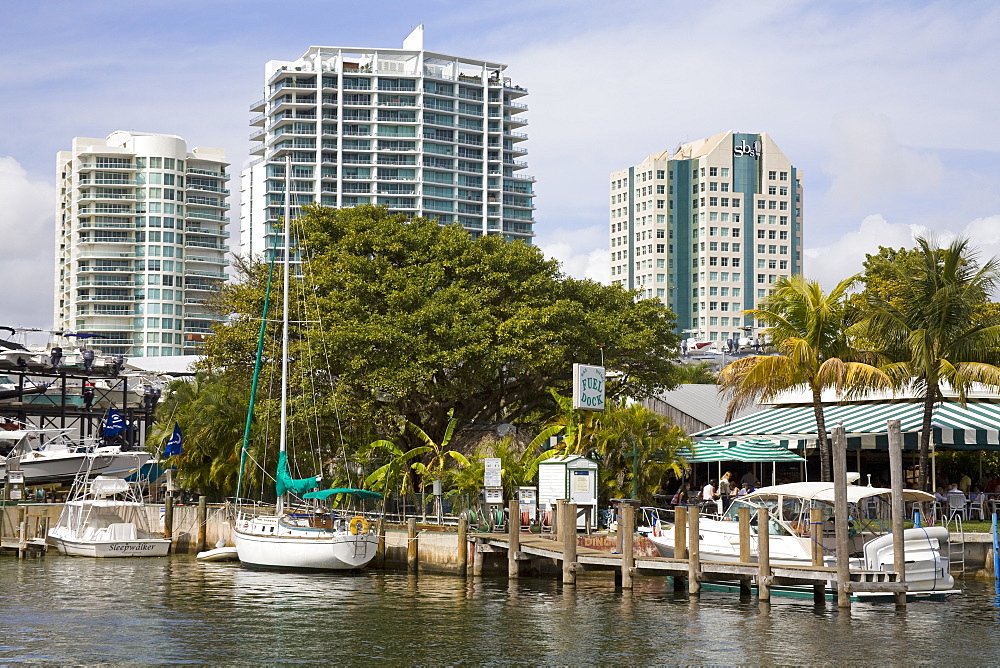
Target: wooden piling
x: 744, y: 516
x: 513, y: 538
x: 463, y: 546
x: 816, y: 536
x: 840, y: 515
x: 680, y: 533
x: 557, y: 514
x: 626, y: 530
x: 411, y: 545
x: 477, y: 559
x: 202, y: 521
x: 694, y: 554
x: 763, y: 555
x: 168, y: 516
x: 568, y: 512
x: 896, y: 478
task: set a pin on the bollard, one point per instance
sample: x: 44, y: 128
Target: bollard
x: 816, y: 535
x: 568, y: 513
x: 694, y: 555
x: 412, y: 546
x: 202, y: 521
x: 763, y: 555
x: 513, y: 538
x: 463, y: 546
x: 168, y: 516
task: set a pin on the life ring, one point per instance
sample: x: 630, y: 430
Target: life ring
x: 359, y: 522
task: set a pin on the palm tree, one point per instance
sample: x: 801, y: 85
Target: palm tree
x: 394, y: 472
x: 808, y: 329
x: 439, y: 455
x: 576, y: 425
x: 638, y: 449
x: 938, y: 328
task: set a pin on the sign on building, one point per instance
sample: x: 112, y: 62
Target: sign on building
x: 588, y: 387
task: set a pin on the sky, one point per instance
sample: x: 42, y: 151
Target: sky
x: 887, y: 108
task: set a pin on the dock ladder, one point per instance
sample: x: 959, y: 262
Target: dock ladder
x: 956, y: 544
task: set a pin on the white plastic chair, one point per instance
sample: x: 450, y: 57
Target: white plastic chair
x: 977, y: 507
x: 956, y: 506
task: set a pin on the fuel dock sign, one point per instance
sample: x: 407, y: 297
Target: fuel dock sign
x: 588, y: 387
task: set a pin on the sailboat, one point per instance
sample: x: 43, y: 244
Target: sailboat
x: 294, y: 538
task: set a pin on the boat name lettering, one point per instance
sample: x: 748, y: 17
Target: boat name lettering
x: 134, y: 547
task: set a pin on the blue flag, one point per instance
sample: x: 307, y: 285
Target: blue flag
x: 113, y: 423
x: 175, y: 443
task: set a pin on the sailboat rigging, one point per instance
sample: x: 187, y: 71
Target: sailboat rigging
x: 294, y: 539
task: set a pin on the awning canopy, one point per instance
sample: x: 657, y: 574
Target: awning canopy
x: 975, y: 427
x: 739, y: 451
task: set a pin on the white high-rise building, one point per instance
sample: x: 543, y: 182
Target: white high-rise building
x: 140, y: 241
x: 422, y: 133
x: 708, y: 229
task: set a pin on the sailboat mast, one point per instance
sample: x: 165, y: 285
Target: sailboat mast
x: 283, y: 442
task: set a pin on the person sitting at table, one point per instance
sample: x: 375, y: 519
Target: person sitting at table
x: 939, y: 495
x: 975, y: 494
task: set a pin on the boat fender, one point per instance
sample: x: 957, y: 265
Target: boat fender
x: 359, y: 525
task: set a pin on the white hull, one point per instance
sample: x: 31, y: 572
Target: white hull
x: 290, y: 547
x: 58, y: 468
x: 219, y: 554
x: 143, y: 547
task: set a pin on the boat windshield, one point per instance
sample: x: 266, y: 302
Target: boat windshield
x: 789, y: 514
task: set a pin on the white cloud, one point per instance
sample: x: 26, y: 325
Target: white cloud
x: 581, y: 252
x: 844, y: 257
x: 26, y: 247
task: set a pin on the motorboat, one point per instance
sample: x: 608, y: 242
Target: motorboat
x: 105, y: 517
x: 790, y: 541
x: 48, y: 456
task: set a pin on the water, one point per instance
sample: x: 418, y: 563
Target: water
x: 176, y: 610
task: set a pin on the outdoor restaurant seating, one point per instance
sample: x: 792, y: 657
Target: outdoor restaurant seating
x: 956, y: 506
x: 977, y: 507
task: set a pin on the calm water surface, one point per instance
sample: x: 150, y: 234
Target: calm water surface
x: 176, y: 610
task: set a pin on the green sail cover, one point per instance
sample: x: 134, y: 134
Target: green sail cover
x: 286, y: 483
x: 327, y: 493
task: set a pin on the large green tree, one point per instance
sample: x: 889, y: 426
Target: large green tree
x: 808, y: 329
x: 418, y: 319
x: 935, y: 326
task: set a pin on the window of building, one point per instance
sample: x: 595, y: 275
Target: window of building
x: 724, y: 172
x: 660, y: 174
x: 784, y: 176
x: 784, y: 220
x: 761, y: 263
x: 736, y: 278
x: 772, y: 175
x: 659, y: 248
x: 783, y: 190
x: 725, y: 246
x: 783, y: 264
x: 713, y: 292
x: 713, y: 321
x: 771, y: 204
x: 761, y: 278
x: 772, y: 248
x: 713, y: 186
x: 724, y: 292
x: 783, y: 206
x: 736, y: 203
x: 736, y: 231
x: 660, y: 190
x: 736, y: 262
x: 713, y: 261
x: 712, y: 231
x: 771, y: 234
x: 761, y: 249
x: 772, y: 264
x: 713, y: 306
x: 761, y: 204
x: 772, y: 190
x: 784, y: 250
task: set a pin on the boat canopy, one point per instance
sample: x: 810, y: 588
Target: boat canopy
x: 753, y: 450
x: 327, y: 493
x: 823, y: 491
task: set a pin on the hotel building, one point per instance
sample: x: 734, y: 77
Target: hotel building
x: 419, y: 132
x: 140, y: 241
x: 708, y: 229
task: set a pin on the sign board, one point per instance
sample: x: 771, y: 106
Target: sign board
x: 15, y: 477
x: 491, y: 472
x: 588, y: 387
x: 743, y: 148
x: 581, y: 482
x: 494, y: 496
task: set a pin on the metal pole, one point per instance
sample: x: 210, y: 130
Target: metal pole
x: 896, y: 476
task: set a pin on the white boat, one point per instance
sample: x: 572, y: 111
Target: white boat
x: 789, y: 539
x: 48, y: 456
x: 305, y: 538
x: 106, y: 518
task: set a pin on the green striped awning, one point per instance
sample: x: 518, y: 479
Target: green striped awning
x: 739, y: 451
x: 975, y: 427
x: 704, y: 451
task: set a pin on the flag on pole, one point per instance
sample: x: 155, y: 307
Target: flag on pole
x: 113, y: 423
x: 175, y: 443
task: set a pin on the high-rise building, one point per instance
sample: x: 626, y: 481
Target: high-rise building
x: 140, y: 241
x: 708, y: 230
x: 421, y: 133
